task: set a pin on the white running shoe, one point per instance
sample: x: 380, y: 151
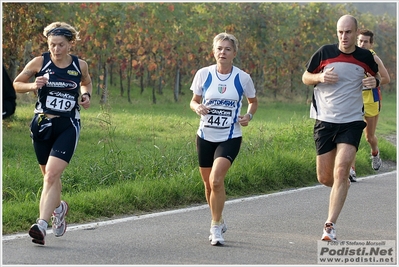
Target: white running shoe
x: 352, y: 175
x: 329, y: 233
x: 38, y: 233
x: 58, y: 220
x: 224, y: 229
x: 217, y: 238
x: 376, y: 162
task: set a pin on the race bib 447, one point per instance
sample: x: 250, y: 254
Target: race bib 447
x: 218, y: 118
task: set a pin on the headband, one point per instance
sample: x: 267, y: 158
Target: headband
x: 61, y: 31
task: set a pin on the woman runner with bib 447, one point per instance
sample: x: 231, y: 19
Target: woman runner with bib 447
x: 218, y: 91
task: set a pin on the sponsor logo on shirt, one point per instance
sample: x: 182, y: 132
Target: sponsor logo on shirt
x: 66, y: 85
x: 222, y: 88
x: 72, y: 72
x: 221, y: 102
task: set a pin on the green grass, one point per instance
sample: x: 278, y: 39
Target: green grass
x: 140, y: 157
x: 387, y: 119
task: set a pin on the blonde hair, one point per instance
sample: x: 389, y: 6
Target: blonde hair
x: 226, y: 36
x: 63, y: 27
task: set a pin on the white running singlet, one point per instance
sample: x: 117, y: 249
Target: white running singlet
x: 223, y: 94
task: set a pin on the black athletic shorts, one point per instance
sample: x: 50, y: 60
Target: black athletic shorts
x: 327, y: 135
x: 61, y: 139
x: 209, y: 151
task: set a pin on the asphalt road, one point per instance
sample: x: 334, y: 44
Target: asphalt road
x: 281, y: 228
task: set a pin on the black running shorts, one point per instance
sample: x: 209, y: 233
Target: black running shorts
x: 327, y: 135
x: 62, y: 142
x: 209, y: 151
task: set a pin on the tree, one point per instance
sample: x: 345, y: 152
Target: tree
x: 162, y: 45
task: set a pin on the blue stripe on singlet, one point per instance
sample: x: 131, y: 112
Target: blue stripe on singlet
x: 206, y: 85
x: 240, y: 91
x: 204, y: 88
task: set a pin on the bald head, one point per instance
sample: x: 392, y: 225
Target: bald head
x: 348, y: 19
x: 347, y: 33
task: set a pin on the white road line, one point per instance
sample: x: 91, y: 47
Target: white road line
x: 158, y: 214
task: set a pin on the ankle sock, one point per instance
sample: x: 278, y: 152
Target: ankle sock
x: 58, y: 209
x: 43, y: 224
x: 217, y: 222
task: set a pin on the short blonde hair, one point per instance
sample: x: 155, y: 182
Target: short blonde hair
x: 64, y: 29
x: 226, y: 36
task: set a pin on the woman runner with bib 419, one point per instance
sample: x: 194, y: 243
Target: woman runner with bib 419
x: 63, y: 84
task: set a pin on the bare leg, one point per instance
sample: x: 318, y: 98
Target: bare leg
x: 218, y: 193
x: 205, y: 173
x: 343, y: 160
x: 51, y: 193
x: 325, y: 168
x: 369, y: 132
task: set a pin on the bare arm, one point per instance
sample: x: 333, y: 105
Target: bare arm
x: 328, y: 76
x: 370, y: 81
x: 252, y: 107
x: 21, y: 82
x: 197, y: 107
x: 85, y: 84
x: 385, y: 79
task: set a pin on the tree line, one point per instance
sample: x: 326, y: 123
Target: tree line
x: 141, y: 45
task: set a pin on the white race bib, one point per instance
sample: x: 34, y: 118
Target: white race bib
x: 60, y: 104
x: 218, y: 118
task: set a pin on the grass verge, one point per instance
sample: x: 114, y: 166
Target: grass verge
x: 140, y: 157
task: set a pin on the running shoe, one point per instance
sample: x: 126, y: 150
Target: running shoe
x: 352, y: 175
x: 58, y: 220
x: 224, y: 229
x: 37, y: 233
x: 329, y: 232
x: 376, y: 162
x: 216, y: 233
